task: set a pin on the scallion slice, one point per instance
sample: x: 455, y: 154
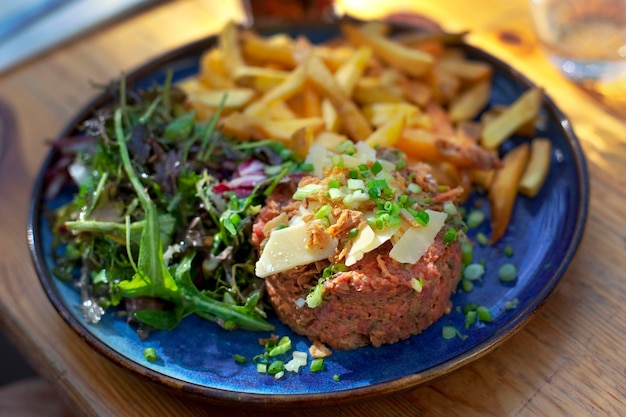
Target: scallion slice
x: 317, y: 365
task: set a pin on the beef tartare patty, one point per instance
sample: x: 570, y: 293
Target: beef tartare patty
x: 346, y: 293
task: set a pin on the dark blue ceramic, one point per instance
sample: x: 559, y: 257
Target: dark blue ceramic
x: 197, y: 357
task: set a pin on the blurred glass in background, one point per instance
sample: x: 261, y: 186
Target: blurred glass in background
x: 585, y: 39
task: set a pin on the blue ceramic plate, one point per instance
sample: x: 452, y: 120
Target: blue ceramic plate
x: 197, y: 357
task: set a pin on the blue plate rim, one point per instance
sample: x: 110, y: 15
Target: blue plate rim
x: 340, y: 397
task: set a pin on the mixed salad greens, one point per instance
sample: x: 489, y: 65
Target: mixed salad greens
x: 151, y: 177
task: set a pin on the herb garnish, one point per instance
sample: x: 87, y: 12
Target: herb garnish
x: 162, y: 220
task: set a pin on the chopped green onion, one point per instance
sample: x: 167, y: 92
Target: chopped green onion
x: 354, y: 232
x: 508, y: 251
x: 334, y: 183
x: 307, y: 167
x: 473, y: 271
x: 484, y: 314
x: 473, y: 306
x: 336, y: 378
x: 337, y: 160
x: 450, y: 208
x: 414, y: 188
x: 401, y: 163
x: 482, y: 239
x: 323, y: 211
x: 240, y: 358
x: 354, y: 174
x: 306, y: 191
x: 467, y: 285
x: 317, y: 365
x: 511, y: 304
x: 314, y: 298
x: 356, y: 184
x: 450, y: 332
x: 276, y: 367
x: 150, y: 354
x: 475, y: 218
x: 376, y: 167
x: 417, y: 284
x: 374, y: 192
x: 346, y: 147
x: 283, y: 346
x: 450, y: 236
x: 507, y: 272
x: 422, y: 217
x: 470, y: 318
x: 335, y: 194
x: 467, y: 252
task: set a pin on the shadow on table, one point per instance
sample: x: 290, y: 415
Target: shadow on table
x: 14, y: 367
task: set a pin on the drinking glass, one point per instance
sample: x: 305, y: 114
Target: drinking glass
x: 585, y: 39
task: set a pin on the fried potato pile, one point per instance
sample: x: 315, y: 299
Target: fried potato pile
x: 416, y: 92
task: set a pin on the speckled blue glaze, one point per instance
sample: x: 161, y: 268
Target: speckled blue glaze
x: 197, y: 357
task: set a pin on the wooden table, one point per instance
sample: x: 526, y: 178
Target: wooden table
x: 569, y: 361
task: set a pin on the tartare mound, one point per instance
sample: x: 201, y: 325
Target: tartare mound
x: 351, y: 271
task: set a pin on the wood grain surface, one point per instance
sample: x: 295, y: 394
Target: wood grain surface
x: 570, y: 360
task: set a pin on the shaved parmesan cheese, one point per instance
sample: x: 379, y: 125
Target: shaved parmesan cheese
x: 415, y: 241
x: 317, y: 157
x: 367, y: 241
x: 286, y: 249
x: 366, y: 152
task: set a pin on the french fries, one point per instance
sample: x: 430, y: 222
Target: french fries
x: 538, y: 167
x: 503, y: 189
x: 417, y: 92
x: 524, y: 109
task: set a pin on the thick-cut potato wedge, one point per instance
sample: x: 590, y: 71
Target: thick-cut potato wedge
x: 213, y: 73
x: 503, y: 189
x: 528, y: 129
x: 464, y: 69
x: 419, y: 144
x: 410, y: 61
x: 236, y: 98
x: 280, y: 110
x: 347, y: 76
x: 524, y: 109
x: 259, y: 78
x: 329, y: 140
x: 355, y: 124
x: 441, y: 121
x: 469, y: 103
x: 245, y: 126
x: 262, y: 51
x: 483, y: 178
x: 388, y: 134
x: 380, y: 113
x: 420, y: 121
x: 312, y: 102
x: 228, y: 40
x: 302, y: 139
x: 371, y: 91
x: 444, y: 85
x: 538, y: 167
x: 334, y: 57
x: 417, y: 92
x: 292, y: 85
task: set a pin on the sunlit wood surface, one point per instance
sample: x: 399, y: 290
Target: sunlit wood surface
x: 569, y: 361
